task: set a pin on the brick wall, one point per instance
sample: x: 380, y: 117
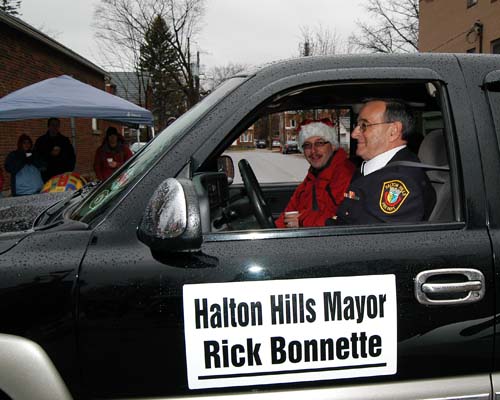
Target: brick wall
x: 24, y: 61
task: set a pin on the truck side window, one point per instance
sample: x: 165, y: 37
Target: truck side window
x: 268, y: 142
x: 275, y: 144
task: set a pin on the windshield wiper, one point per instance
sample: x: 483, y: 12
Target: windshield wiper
x: 48, y: 214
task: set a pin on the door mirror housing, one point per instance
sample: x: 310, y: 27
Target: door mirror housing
x: 225, y: 164
x: 172, y: 222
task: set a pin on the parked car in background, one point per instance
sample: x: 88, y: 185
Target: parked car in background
x: 291, y: 146
x: 261, y: 143
x: 276, y: 143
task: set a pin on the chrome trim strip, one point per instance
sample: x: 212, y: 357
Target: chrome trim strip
x: 495, y: 383
x: 26, y: 372
x: 330, y: 231
x: 475, y: 387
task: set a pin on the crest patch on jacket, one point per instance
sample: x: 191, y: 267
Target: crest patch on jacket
x: 392, y: 196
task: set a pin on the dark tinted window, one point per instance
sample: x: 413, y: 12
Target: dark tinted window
x: 495, y: 46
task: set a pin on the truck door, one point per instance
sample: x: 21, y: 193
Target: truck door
x: 483, y: 80
x: 389, y: 309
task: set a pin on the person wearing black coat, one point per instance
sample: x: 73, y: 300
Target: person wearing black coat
x: 386, y: 189
x: 54, y: 151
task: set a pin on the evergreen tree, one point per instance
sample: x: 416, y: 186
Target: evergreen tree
x: 122, y: 26
x: 159, y: 60
x: 10, y: 7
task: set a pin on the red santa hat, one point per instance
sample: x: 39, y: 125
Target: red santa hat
x: 322, y: 128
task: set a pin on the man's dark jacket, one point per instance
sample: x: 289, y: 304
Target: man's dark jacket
x: 394, y: 193
x: 64, y: 162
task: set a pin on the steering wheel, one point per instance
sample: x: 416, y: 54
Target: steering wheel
x: 260, y: 208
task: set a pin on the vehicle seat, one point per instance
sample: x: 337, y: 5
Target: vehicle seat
x: 433, y: 151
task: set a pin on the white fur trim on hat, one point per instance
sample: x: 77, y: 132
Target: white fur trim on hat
x: 317, y: 129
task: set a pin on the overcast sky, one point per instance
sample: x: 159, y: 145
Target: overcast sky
x: 233, y: 31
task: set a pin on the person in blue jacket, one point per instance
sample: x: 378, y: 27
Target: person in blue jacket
x: 25, y: 177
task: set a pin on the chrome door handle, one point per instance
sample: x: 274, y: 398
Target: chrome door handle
x: 457, y: 287
x: 429, y: 292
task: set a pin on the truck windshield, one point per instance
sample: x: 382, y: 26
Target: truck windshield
x: 101, y: 198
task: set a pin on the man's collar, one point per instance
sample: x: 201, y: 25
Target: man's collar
x: 379, y: 161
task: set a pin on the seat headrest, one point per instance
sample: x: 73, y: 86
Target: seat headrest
x: 433, y: 149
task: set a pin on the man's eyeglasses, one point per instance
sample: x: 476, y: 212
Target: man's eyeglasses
x: 363, y: 126
x: 317, y: 145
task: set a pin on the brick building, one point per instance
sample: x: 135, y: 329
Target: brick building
x: 290, y: 121
x: 283, y: 126
x: 28, y: 56
x: 247, y: 138
x: 459, y: 26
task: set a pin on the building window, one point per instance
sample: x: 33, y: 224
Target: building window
x: 471, y: 3
x: 495, y: 46
x: 95, y: 127
x: 246, y: 138
x: 293, y: 123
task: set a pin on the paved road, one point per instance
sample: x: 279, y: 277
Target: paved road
x: 271, y: 166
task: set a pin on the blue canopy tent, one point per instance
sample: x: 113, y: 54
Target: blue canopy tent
x: 65, y: 97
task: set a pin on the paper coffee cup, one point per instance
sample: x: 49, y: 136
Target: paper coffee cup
x: 291, y: 220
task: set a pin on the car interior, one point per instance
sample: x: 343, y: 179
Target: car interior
x: 254, y: 203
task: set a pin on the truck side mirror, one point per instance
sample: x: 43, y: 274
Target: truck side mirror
x: 171, y: 221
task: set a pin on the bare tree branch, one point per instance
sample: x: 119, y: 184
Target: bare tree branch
x: 321, y: 41
x: 121, y: 26
x: 218, y: 74
x: 394, y: 30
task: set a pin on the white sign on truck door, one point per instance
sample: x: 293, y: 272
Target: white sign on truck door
x: 265, y: 332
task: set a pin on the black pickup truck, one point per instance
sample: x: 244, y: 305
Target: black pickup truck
x: 170, y: 280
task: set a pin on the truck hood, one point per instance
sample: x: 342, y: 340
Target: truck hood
x: 19, y: 213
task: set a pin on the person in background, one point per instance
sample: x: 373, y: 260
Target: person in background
x: 390, y: 186
x: 25, y: 177
x: 317, y: 198
x: 54, y: 151
x: 111, y: 155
